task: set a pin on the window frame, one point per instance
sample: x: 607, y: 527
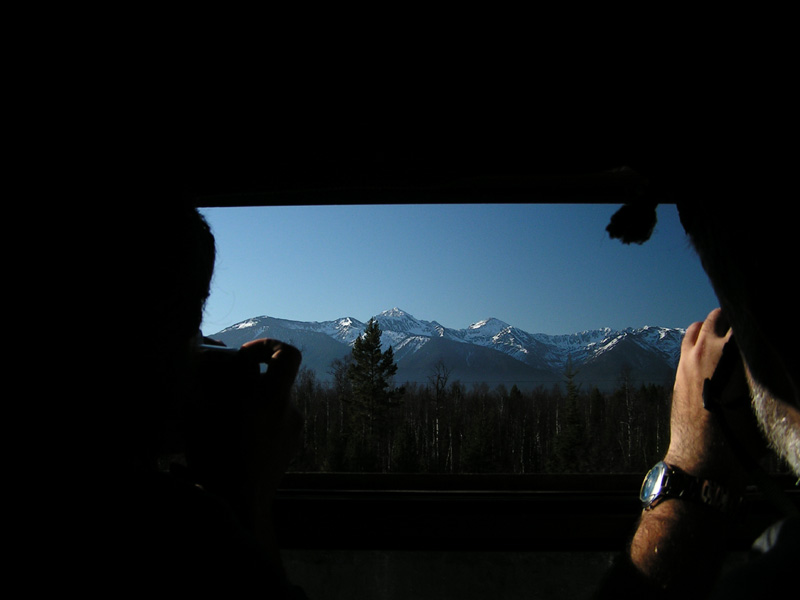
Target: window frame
x: 528, y: 512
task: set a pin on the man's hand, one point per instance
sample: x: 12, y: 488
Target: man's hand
x: 271, y: 424
x: 697, y: 442
x: 244, y: 430
x: 678, y: 544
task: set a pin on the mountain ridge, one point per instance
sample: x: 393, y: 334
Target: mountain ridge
x: 600, y: 356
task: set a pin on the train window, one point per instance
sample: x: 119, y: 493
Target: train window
x: 513, y: 338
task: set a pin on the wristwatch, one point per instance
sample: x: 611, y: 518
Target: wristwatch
x: 665, y: 481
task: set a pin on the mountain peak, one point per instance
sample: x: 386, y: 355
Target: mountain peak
x: 395, y: 312
x: 490, y: 323
x: 396, y: 321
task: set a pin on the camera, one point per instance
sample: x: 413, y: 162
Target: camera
x: 223, y: 383
x: 213, y: 352
x: 726, y: 394
x: 220, y: 370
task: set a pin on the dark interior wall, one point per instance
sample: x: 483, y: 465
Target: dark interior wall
x: 412, y: 575
x: 441, y: 575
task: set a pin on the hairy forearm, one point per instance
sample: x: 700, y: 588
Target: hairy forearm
x: 680, y: 546
x: 680, y: 543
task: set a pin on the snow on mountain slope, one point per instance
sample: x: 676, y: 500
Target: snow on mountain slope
x: 408, y: 335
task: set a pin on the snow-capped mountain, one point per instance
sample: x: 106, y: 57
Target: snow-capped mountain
x: 490, y: 350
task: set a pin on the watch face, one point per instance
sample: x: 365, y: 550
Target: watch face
x: 653, y: 484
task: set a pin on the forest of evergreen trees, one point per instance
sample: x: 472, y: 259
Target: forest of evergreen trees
x: 360, y: 422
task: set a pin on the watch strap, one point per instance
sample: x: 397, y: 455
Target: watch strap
x: 681, y: 485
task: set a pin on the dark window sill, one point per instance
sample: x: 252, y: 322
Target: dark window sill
x: 474, y: 512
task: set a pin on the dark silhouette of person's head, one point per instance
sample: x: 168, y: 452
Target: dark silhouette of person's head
x: 745, y: 239
x: 158, y: 278
x: 747, y: 249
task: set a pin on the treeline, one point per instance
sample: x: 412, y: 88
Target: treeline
x: 444, y: 426
x: 361, y: 422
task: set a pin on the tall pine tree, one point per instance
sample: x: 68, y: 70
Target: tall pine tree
x: 370, y: 375
x: 570, y: 448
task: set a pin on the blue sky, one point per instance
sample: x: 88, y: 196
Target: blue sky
x: 543, y: 268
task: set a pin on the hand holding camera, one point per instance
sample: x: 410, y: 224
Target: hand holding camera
x: 698, y: 442
x: 242, y: 429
